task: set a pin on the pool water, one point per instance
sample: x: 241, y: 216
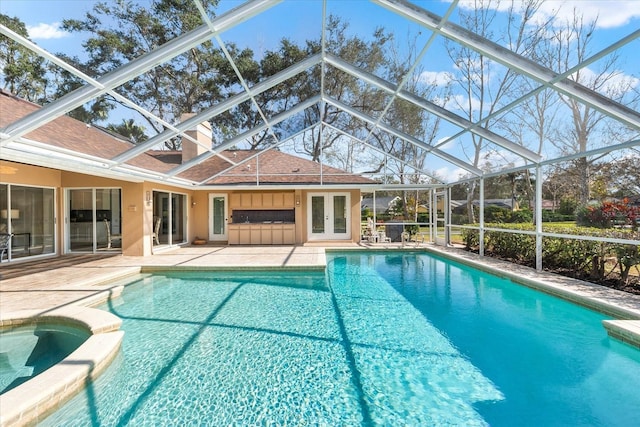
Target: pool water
x: 393, y: 338
x: 26, y: 351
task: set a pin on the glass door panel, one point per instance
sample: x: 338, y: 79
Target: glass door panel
x: 218, y: 217
x: 339, y: 214
x: 317, y: 214
x: 170, y: 218
x: 28, y: 213
x: 178, y: 218
x: 81, y: 220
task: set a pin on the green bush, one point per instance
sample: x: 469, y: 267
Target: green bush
x: 549, y: 216
x: 581, y: 258
x: 506, y: 215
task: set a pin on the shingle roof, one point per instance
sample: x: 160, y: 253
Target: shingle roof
x: 71, y: 134
x: 275, y: 167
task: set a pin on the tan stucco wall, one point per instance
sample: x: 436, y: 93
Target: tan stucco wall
x: 137, y: 212
x: 18, y: 173
x: 199, y: 214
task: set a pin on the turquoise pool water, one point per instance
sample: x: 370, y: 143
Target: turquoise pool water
x: 28, y: 350
x: 383, y: 339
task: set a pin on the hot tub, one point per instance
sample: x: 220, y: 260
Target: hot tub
x: 46, y: 358
x: 26, y: 351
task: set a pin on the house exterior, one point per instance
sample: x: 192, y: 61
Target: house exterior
x: 57, y: 205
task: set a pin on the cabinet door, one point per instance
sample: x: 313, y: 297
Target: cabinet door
x: 235, y: 201
x: 245, y: 235
x: 289, y: 200
x: 256, y: 234
x: 289, y: 235
x: 256, y: 200
x: 234, y: 235
x: 278, y: 200
x: 267, y: 200
x: 245, y: 200
x: 265, y: 235
x: 276, y: 235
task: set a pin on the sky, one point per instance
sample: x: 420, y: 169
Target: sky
x: 301, y: 20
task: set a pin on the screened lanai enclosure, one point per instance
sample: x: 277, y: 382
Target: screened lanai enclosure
x: 485, y: 122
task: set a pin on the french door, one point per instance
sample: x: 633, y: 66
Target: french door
x: 218, y: 217
x: 329, y: 216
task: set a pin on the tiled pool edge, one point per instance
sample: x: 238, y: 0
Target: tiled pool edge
x: 627, y: 331
x: 33, y: 400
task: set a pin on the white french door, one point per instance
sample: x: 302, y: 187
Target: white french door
x: 329, y: 216
x: 218, y: 217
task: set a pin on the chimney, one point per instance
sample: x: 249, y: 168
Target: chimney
x: 201, y: 133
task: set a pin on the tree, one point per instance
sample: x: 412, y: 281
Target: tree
x: 623, y: 175
x: 129, y: 130
x: 485, y: 85
x: 122, y: 31
x: 24, y: 73
x: 587, y: 129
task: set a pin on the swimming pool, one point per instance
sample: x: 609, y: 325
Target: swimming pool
x: 392, y: 338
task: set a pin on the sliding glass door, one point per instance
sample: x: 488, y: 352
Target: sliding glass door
x: 169, y: 218
x: 29, y: 214
x: 94, y: 220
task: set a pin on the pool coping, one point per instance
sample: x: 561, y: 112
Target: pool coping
x: 33, y: 400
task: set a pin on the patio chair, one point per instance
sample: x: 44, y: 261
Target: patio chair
x: 156, y: 230
x: 111, y: 237
x: 5, y: 241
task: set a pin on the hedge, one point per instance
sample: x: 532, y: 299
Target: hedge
x: 583, y: 258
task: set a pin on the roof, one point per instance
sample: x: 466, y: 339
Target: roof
x: 238, y: 167
x: 274, y: 167
x: 65, y: 134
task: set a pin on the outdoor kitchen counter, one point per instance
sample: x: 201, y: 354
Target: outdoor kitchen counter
x: 264, y: 233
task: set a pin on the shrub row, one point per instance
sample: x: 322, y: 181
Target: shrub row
x: 583, y: 258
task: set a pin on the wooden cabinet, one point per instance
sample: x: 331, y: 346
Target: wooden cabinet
x: 288, y: 234
x: 276, y: 235
x: 245, y: 236
x: 256, y: 234
x: 277, y: 200
x: 262, y: 234
x: 246, y: 200
x: 267, y: 200
x: 288, y: 200
x: 234, y: 200
x: 266, y: 235
x: 262, y: 200
x: 233, y: 233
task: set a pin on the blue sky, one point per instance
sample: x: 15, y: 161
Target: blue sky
x: 301, y: 20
